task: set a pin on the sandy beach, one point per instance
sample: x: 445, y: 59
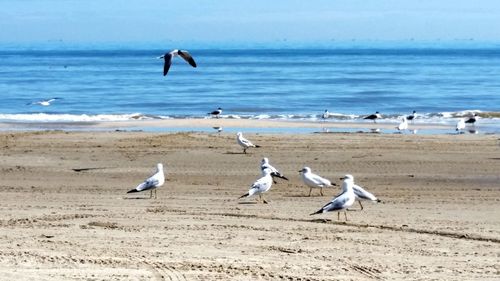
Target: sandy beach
x: 439, y: 218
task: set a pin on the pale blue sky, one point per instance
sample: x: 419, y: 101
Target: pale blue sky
x: 257, y: 21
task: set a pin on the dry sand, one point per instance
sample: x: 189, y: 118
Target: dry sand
x: 439, y: 219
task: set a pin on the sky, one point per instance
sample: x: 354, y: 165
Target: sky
x: 251, y: 21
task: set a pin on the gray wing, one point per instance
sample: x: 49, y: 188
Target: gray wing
x: 187, y: 57
x: 168, y: 63
x: 338, y: 203
x: 152, y: 182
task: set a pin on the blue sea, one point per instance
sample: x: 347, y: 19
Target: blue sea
x: 100, y: 84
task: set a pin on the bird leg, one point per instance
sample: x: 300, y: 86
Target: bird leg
x: 151, y: 194
x: 360, y: 204
x: 310, y: 189
x: 321, y: 191
x: 338, y: 216
x: 155, y: 193
x: 345, y: 214
x: 245, y: 150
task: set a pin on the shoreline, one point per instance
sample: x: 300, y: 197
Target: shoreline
x: 276, y: 126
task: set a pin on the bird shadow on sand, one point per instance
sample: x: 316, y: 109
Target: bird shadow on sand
x: 303, y: 196
x: 232, y: 152
x: 137, y: 198
x: 248, y: 203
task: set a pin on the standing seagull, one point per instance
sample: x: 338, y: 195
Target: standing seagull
x: 325, y: 115
x: 412, y: 116
x: 243, y: 142
x: 460, y: 126
x: 361, y: 193
x: 472, y: 120
x: 374, y: 117
x: 341, y: 202
x: 153, y: 182
x: 314, y: 181
x: 169, y: 56
x: 260, y: 186
x: 274, y: 172
x: 403, y: 125
x: 44, y: 102
x: 216, y: 113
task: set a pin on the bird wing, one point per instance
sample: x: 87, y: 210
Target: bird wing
x: 319, y: 180
x: 187, y: 57
x: 361, y: 193
x: 150, y: 182
x: 168, y: 63
x: 370, y: 116
x: 246, y: 142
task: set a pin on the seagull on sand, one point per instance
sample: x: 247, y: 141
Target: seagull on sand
x: 325, y: 115
x: 44, y: 102
x: 374, y: 117
x: 274, y: 172
x: 176, y: 53
x: 314, y: 181
x: 216, y: 113
x: 151, y: 183
x: 260, y: 186
x: 412, y: 116
x: 342, y: 201
x: 403, y: 125
x: 460, y: 125
x: 361, y: 193
x: 472, y: 120
x: 243, y: 142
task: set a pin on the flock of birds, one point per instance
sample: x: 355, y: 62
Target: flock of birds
x: 341, y: 202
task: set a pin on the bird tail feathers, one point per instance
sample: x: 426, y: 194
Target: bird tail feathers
x: 244, y: 195
x: 320, y: 211
x: 132, y: 190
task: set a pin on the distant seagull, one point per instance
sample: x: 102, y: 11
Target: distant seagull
x: 361, y: 193
x: 243, y: 142
x: 342, y: 201
x: 403, y: 125
x: 44, y: 102
x: 260, y: 186
x: 374, y: 117
x: 314, y: 181
x: 325, y: 115
x: 216, y: 113
x: 169, y: 56
x: 375, y: 131
x: 153, y: 182
x: 460, y: 125
x: 412, y: 116
x: 472, y: 120
x: 218, y: 129
x: 274, y: 172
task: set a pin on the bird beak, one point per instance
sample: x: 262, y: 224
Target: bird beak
x: 301, y: 171
x: 342, y: 178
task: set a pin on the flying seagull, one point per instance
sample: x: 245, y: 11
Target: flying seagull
x: 374, y: 117
x: 314, y: 181
x: 151, y: 183
x: 243, y: 142
x: 170, y: 55
x: 342, y: 201
x: 44, y: 102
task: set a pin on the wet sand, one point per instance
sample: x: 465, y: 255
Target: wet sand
x: 438, y: 219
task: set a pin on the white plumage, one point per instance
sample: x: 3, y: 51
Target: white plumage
x: 314, y: 181
x: 153, y: 182
x: 243, y: 142
x: 343, y: 201
x: 260, y: 186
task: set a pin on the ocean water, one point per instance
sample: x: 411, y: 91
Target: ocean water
x: 441, y: 84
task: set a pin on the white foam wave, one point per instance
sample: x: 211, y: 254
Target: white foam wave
x: 44, y: 117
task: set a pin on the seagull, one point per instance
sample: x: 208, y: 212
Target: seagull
x: 325, y: 115
x: 274, y: 172
x: 218, y: 128
x: 216, y: 113
x: 403, y: 125
x: 243, y: 142
x: 361, y: 193
x: 412, y: 116
x: 151, y: 183
x: 170, y: 55
x: 44, y: 102
x: 342, y: 201
x: 460, y: 125
x: 260, y: 186
x: 314, y: 181
x: 374, y: 117
x: 472, y: 119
